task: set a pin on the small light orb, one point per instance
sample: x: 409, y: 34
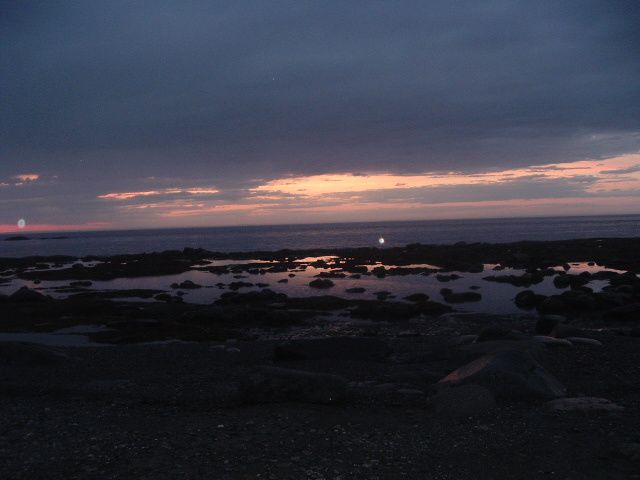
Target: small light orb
x: 381, y: 241
x: 22, y: 223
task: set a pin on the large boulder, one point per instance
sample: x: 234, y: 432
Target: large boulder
x: 508, y: 374
x: 272, y: 384
x: 27, y: 295
x: 337, y: 348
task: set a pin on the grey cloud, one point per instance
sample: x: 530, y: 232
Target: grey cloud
x: 623, y: 171
x: 105, y: 94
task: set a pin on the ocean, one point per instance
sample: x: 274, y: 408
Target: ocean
x: 276, y: 237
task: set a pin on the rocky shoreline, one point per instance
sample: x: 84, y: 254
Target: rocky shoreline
x: 261, y: 384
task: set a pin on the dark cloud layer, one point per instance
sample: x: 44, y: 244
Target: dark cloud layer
x: 105, y: 94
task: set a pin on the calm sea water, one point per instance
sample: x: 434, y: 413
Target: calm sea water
x: 226, y: 239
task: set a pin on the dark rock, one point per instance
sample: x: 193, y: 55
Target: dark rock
x: 461, y: 297
x: 552, y: 304
x: 272, y: 384
x: 510, y: 375
x: 355, y: 290
x: 383, y: 295
x: 321, y: 283
x: 525, y: 280
x: 331, y: 274
x: 358, y: 269
x: 528, y: 299
x: 561, y: 281
x: 447, y: 278
x: 417, y: 297
x: 251, y: 298
x: 239, y: 285
x: 186, y: 285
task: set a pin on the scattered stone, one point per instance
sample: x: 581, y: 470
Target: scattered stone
x: 19, y: 353
x: 272, y: 384
x: 463, y: 401
x: 410, y: 392
x: 102, y: 389
x: 583, y: 404
x: 551, y: 341
x: 591, y: 342
x: 337, y: 348
x: 630, y: 451
x: 408, y: 333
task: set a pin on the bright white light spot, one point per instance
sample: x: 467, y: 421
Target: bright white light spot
x: 22, y: 223
x: 381, y: 241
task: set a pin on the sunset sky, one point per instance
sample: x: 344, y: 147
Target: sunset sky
x: 125, y: 114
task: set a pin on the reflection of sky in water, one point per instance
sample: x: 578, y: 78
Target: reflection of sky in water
x: 496, y: 297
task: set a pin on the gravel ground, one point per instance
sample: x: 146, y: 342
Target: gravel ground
x: 169, y: 411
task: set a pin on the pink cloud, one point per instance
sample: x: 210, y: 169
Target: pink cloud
x: 27, y: 177
x: 165, y: 191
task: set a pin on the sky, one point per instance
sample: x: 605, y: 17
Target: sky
x: 147, y: 114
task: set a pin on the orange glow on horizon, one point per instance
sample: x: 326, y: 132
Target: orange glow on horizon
x: 44, y: 227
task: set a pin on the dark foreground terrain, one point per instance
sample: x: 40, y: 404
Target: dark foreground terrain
x: 262, y: 385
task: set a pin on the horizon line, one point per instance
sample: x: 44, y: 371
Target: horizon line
x: 22, y: 232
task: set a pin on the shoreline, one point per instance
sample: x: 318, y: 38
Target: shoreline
x: 261, y: 384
